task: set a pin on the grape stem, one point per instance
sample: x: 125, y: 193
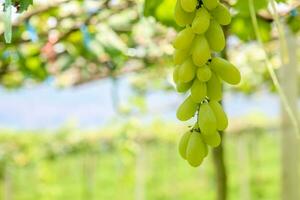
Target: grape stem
x: 200, y: 3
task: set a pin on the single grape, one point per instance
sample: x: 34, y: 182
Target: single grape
x: 196, y: 150
x: 212, y: 140
x: 210, y: 4
x: 207, y: 120
x: 221, y: 14
x: 204, y: 73
x: 215, y: 36
x: 187, y: 109
x: 201, y: 21
x: 180, y: 56
x: 214, y: 88
x: 186, y: 71
x: 182, y: 18
x: 227, y: 71
x: 189, y: 5
x: 183, y: 87
x: 198, y: 91
x: 184, y: 39
x: 182, y: 147
x: 201, y: 51
x: 222, y: 120
x: 175, y: 74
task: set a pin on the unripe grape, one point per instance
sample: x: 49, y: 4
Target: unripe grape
x: 215, y: 36
x: 212, y: 140
x: 222, y: 120
x: 204, y: 73
x: 201, y: 51
x: 184, y: 39
x: 227, y: 71
x: 221, y: 14
x: 198, y: 91
x: 183, y: 87
x: 201, y: 21
x: 196, y: 150
x: 182, y: 147
x: 214, y: 88
x: 180, y: 56
x: 207, y: 120
x: 186, y: 71
x: 182, y: 18
x: 189, y: 5
x: 210, y: 4
x: 187, y: 109
x: 175, y: 74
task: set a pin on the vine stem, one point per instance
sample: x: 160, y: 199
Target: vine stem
x: 272, y: 71
x: 284, y: 51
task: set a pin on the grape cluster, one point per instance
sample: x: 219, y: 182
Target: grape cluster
x: 200, y: 70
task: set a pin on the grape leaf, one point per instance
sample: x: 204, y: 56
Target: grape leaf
x: 242, y: 6
x: 162, y: 11
x: 22, y: 5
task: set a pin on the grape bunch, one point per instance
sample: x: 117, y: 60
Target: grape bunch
x: 200, y: 71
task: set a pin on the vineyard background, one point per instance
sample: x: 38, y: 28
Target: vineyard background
x: 133, y: 161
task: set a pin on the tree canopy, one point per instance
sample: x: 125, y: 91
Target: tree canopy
x: 81, y: 41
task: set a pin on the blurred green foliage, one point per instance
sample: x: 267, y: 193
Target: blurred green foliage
x: 22, y: 5
x: 120, y: 161
x: 81, y: 41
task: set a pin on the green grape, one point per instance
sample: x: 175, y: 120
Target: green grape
x: 183, y: 87
x: 183, y: 144
x: 214, y: 88
x: 206, y: 119
x: 212, y: 140
x: 204, y: 73
x: 184, y: 39
x: 187, y: 109
x: 180, y: 56
x: 189, y: 5
x: 221, y: 14
x: 186, y: 71
x: 201, y: 21
x: 227, y: 71
x: 200, y: 52
x: 215, y: 36
x: 222, y: 120
x: 210, y: 4
x: 198, y: 91
x: 182, y: 18
x: 175, y: 75
x: 196, y: 150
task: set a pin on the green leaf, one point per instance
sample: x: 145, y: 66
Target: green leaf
x: 242, y: 27
x: 293, y: 20
x: 162, y: 11
x: 242, y: 6
x: 24, y: 4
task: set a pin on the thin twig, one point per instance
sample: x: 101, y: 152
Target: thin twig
x: 272, y: 71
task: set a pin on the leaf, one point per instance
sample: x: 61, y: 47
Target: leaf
x: 24, y: 4
x: 242, y: 6
x: 293, y: 20
x: 162, y: 11
x: 242, y: 27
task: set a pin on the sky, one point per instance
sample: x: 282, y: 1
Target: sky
x: 48, y: 107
